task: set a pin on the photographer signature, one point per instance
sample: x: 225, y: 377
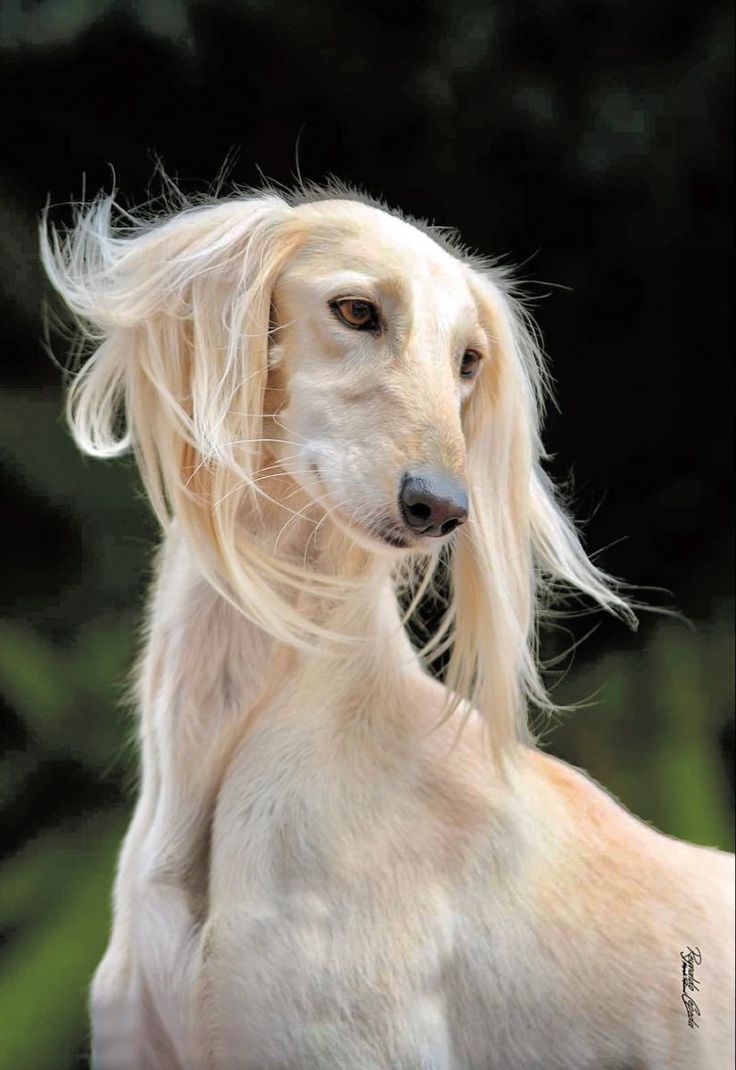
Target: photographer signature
x: 690, y: 959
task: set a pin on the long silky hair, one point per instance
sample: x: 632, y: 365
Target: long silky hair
x: 176, y: 309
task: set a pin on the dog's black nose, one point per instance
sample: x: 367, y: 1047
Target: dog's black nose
x: 433, y: 503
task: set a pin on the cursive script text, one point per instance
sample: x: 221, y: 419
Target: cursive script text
x: 690, y: 983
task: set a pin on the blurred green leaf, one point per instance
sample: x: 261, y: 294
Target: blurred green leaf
x: 69, y: 697
x: 30, y: 675
x: 62, y: 891
x: 649, y: 727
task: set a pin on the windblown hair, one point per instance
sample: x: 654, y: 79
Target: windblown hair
x: 177, y: 308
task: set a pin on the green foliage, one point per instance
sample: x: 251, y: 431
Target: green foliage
x: 66, y: 694
x: 648, y: 729
x: 63, y: 674
x: 54, y: 896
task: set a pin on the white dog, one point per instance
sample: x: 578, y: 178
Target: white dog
x: 337, y: 863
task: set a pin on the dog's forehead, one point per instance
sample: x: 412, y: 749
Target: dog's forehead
x: 352, y: 235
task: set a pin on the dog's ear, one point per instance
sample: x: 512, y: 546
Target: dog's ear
x: 178, y: 312
x: 518, y: 543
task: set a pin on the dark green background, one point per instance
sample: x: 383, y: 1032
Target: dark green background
x: 588, y: 141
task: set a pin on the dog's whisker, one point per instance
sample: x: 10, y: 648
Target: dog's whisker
x: 254, y: 484
x: 344, y: 503
x: 313, y: 502
x: 270, y: 416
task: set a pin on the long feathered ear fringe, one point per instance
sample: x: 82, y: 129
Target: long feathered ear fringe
x: 518, y: 546
x: 178, y: 314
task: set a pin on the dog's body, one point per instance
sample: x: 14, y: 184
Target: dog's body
x: 377, y: 902
x: 328, y: 867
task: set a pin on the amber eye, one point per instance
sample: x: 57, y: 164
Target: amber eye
x: 360, y: 315
x: 470, y: 363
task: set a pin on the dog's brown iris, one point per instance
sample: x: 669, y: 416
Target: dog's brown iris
x: 470, y: 363
x: 359, y: 314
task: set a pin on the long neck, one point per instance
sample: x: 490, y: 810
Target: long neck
x: 216, y: 659
x: 210, y: 675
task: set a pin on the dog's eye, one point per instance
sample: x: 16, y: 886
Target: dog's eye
x: 360, y: 315
x: 470, y: 363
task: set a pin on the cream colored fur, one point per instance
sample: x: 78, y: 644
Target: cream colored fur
x: 335, y: 863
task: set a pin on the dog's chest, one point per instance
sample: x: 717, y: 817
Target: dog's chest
x: 330, y: 931
x: 339, y: 937
x: 313, y: 982
x: 351, y: 929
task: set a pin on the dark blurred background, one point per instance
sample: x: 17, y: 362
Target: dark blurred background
x: 589, y: 141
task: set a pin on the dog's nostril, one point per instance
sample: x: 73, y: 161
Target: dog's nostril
x: 450, y: 525
x: 420, y: 511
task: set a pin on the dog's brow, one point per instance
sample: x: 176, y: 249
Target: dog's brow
x: 350, y: 278
x: 468, y: 317
x: 362, y: 281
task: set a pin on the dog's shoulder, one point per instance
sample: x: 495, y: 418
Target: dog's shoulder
x: 623, y: 862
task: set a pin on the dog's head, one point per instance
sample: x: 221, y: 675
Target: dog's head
x: 380, y: 339
x: 393, y: 379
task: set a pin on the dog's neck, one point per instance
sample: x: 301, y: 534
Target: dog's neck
x: 221, y: 649
x: 377, y: 648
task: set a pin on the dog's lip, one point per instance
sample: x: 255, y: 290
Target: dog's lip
x: 389, y: 536
x: 398, y: 541
x: 387, y: 533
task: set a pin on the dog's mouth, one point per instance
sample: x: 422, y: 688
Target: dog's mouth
x: 391, y: 533
x: 382, y: 530
x: 393, y: 537
x: 395, y: 540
